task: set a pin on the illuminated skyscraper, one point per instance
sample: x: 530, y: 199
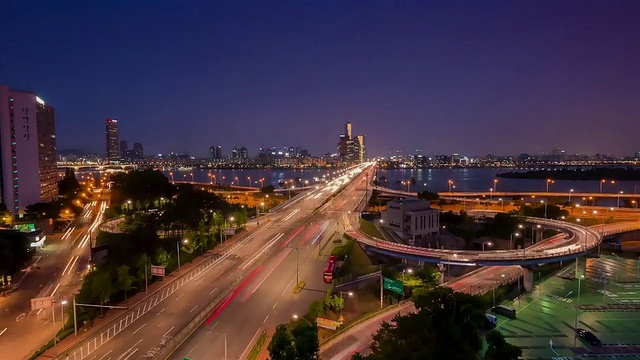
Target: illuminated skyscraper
x: 113, y: 146
x: 347, y: 130
x: 361, y: 148
x: 27, y: 150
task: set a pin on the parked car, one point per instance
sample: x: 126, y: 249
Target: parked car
x: 588, y: 336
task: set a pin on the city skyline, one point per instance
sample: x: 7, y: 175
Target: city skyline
x: 443, y: 77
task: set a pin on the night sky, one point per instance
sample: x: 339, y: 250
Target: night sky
x: 471, y: 77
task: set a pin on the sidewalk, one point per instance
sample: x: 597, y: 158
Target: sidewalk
x: 86, y: 332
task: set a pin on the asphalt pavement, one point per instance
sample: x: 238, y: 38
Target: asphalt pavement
x: 260, y: 266
x: 57, y: 272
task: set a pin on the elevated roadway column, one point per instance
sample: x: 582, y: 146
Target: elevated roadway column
x: 527, y: 280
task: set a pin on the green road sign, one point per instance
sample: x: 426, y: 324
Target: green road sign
x: 393, y: 285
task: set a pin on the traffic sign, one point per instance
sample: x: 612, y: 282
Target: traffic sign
x: 327, y: 323
x: 157, y: 270
x: 41, y: 303
x: 393, y: 285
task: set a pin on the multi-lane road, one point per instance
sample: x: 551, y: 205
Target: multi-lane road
x: 56, y: 272
x: 257, y: 271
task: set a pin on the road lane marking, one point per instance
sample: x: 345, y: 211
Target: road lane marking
x: 105, y: 355
x: 56, y: 289
x: 274, y: 305
x: 68, y: 263
x: 286, y: 287
x: 160, y: 323
x: 131, y: 348
x: 179, y: 296
x: 212, y: 291
x: 250, y: 342
x: 2, y: 332
x: 160, y: 312
x: 181, y: 306
x: 138, y: 329
x: 168, y: 331
x: 265, y: 319
x: 130, y: 355
x: 274, y: 267
x: 193, y: 308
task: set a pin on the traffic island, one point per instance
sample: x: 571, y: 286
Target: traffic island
x: 298, y: 288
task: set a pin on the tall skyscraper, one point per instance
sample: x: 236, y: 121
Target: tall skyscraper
x: 113, y: 147
x: 138, y: 151
x: 348, y: 147
x: 124, y: 149
x: 361, y: 148
x: 347, y: 130
x: 27, y: 150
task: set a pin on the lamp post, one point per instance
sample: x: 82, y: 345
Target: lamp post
x: 489, y: 243
x: 491, y: 196
x: 297, y: 263
x: 349, y: 293
x: 225, y: 342
x: 410, y: 271
x: 575, y: 323
x: 185, y: 241
x: 249, y: 179
x: 570, y: 191
x: 495, y: 182
x: 545, y: 208
x: 619, y: 193
x: 450, y: 185
x: 171, y: 175
x: 501, y: 203
x: 511, y: 239
x: 296, y: 317
x: 549, y: 181
x: 53, y: 315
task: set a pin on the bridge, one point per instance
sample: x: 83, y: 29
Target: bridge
x: 513, y: 194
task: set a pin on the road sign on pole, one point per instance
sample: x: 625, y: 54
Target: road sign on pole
x: 394, y: 286
x: 41, y: 303
x: 157, y: 270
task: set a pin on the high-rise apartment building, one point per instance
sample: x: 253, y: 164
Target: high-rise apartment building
x: 28, y: 164
x: 113, y: 147
x: 215, y: 153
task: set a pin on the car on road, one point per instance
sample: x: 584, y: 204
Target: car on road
x: 588, y: 336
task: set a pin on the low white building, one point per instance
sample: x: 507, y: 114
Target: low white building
x: 411, y: 218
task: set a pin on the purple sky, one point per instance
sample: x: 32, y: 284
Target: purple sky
x: 472, y: 77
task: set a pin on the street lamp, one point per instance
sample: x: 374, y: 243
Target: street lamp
x: 296, y: 317
x: 489, y: 243
x: 495, y: 182
x: 570, y: 191
x: 53, y: 315
x: 297, y: 264
x: 225, y: 342
x: 575, y: 323
x: 501, y: 203
x: 491, y: 196
x: 349, y: 293
x: 450, y: 185
x: 545, y: 208
x: 549, y: 181
x: 409, y: 271
x: 619, y: 193
x: 511, y: 239
x: 185, y: 241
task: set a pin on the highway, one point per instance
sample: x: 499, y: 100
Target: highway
x: 259, y: 267
x: 57, y: 272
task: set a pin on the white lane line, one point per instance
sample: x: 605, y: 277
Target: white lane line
x: 274, y: 305
x: 73, y: 264
x: 160, y: 312
x: 212, y: 291
x: 38, y: 313
x: 105, y: 355
x: 230, y: 275
x: 130, y: 355
x: 56, y: 289
x: 181, y: 306
x: 179, y: 296
x: 2, y: 332
x: 286, y: 287
x: 193, y: 308
x: 66, y: 267
x: 265, y: 319
x: 160, y: 323
x: 274, y: 267
x: 168, y: 331
x: 138, y: 329
x: 250, y: 342
x: 128, y: 350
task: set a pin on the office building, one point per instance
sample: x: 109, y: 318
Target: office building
x: 112, y: 145
x: 27, y: 150
x: 361, y: 150
x: 347, y: 131
x: 349, y: 149
x: 124, y: 149
x: 411, y: 218
x: 138, y: 151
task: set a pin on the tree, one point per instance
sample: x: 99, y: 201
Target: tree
x: 499, y: 349
x: 281, y: 346
x: 241, y: 218
x: 161, y: 257
x: 306, y: 342
x: 142, y: 264
x: 43, y: 210
x: 102, y: 286
x: 267, y: 189
x: 125, y: 280
x: 69, y: 184
x: 15, y: 252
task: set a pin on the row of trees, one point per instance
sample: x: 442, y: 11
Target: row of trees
x: 446, y: 325
x: 297, y: 343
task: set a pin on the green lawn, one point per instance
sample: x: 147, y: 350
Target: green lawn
x: 370, y: 229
